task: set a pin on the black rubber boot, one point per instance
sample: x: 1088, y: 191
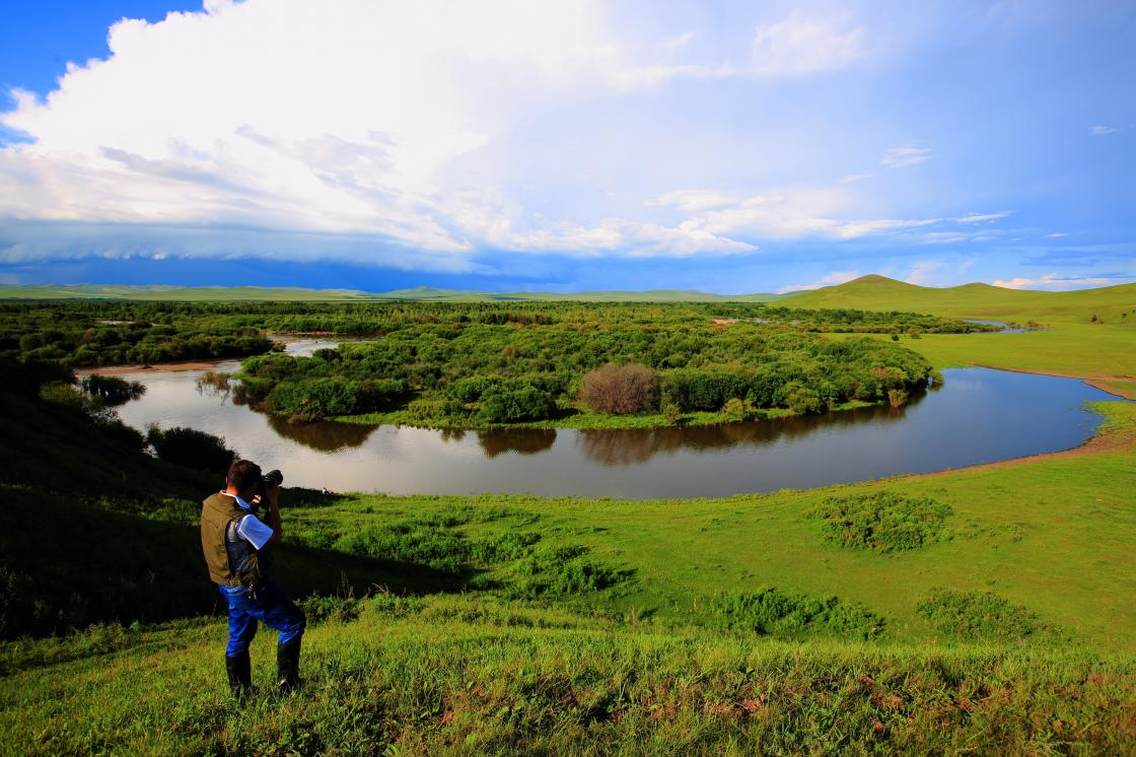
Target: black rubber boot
x: 239, y: 669
x: 288, y: 666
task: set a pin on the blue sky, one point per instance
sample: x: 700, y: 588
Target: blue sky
x: 728, y: 147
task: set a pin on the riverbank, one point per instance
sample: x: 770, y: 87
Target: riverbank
x: 583, y: 419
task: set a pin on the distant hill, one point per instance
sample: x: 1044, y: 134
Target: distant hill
x: 865, y: 293
x: 172, y: 293
x: 417, y: 294
x: 973, y: 300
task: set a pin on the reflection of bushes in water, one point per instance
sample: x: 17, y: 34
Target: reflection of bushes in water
x: 521, y: 441
x: 631, y: 446
x: 972, y: 616
x: 884, y: 521
x: 325, y: 436
x: 769, y: 611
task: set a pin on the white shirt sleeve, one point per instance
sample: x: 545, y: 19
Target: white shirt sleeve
x: 255, y: 531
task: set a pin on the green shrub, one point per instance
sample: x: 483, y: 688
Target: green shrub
x: 884, y: 521
x: 191, y: 448
x: 801, y: 399
x: 527, y: 403
x: 411, y: 543
x: 978, y: 616
x: 318, y: 608
x: 769, y: 611
x: 740, y: 410
x: 112, y: 390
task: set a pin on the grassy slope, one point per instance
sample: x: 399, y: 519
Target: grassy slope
x: 452, y: 675
x: 1069, y: 344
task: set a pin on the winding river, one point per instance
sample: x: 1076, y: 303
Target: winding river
x: 979, y: 416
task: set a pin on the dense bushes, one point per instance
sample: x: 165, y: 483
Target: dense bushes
x: 485, y: 363
x: 90, y: 334
x: 324, y: 397
x: 769, y: 611
x: 191, y: 448
x: 479, y: 374
x: 620, y: 389
x: 512, y: 403
x: 884, y: 521
x: 975, y: 616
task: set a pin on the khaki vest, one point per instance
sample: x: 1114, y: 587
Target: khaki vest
x: 217, y: 512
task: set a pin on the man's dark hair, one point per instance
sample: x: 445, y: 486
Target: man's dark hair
x: 243, y: 474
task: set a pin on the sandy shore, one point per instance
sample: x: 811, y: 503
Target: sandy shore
x: 119, y: 370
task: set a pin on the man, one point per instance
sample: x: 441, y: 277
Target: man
x: 232, y: 537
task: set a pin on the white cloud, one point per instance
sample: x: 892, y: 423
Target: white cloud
x: 788, y: 213
x: 803, y: 45
x: 344, y: 117
x: 1056, y: 281
x: 1056, y: 235
x: 983, y: 217
x: 836, y: 277
x: 636, y: 238
x: 694, y: 199
x: 902, y: 157
x: 944, y: 237
x: 1101, y: 131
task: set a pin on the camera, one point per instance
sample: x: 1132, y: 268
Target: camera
x: 271, y: 479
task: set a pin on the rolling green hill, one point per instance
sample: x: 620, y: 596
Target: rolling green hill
x: 975, y: 301
x: 1090, y: 333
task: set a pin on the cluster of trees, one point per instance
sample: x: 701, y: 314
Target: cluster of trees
x: 510, y: 372
x: 847, y: 320
x: 499, y: 362
x: 88, y: 335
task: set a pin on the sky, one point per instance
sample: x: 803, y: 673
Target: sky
x: 506, y: 145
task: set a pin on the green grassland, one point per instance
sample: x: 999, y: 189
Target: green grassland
x: 642, y: 666
x: 986, y: 609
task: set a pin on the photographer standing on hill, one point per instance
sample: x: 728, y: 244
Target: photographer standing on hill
x: 232, y: 537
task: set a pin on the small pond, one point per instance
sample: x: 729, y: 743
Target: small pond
x: 979, y: 416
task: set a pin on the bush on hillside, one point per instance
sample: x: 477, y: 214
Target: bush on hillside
x: 769, y: 611
x: 977, y: 616
x: 884, y: 521
x: 620, y: 389
x: 191, y: 448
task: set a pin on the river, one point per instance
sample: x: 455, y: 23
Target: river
x: 980, y: 415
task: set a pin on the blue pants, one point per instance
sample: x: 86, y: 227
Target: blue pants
x: 270, y: 605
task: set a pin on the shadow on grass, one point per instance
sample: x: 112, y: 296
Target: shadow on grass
x: 66, y: 565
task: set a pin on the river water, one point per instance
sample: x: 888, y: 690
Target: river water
x: 979, y: 416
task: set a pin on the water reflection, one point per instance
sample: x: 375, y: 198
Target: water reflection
x: 522, y: 441
x: 325, y: 436
x: 636, y: 446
